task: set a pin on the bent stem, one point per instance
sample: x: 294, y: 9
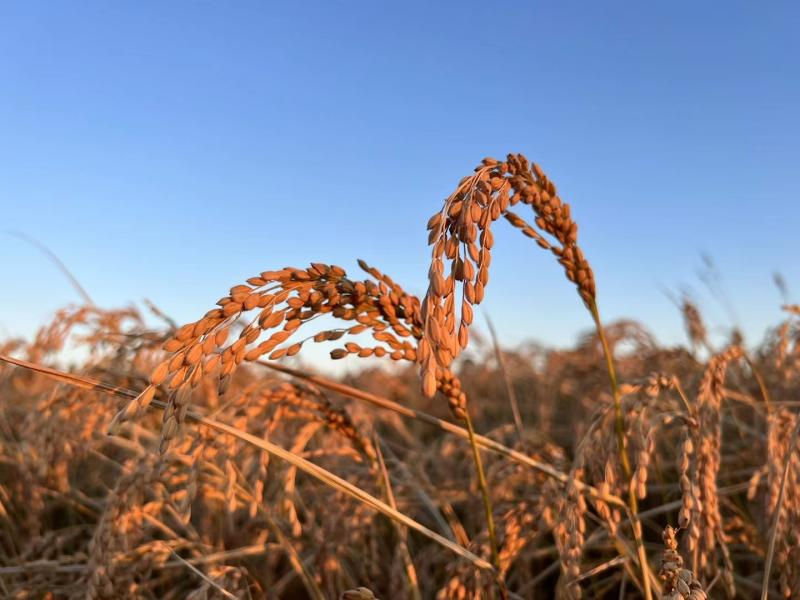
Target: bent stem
x: 487, y: 505
x: 619, y: 420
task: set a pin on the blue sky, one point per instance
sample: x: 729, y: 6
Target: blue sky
x: 170, y: 150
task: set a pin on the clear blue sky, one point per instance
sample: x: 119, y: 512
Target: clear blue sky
x: 170, y: 149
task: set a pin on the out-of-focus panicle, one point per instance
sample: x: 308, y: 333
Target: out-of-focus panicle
x: 706, y: 534
x: 679, y: 583
x: 782, y: 456
x: 693, y: 322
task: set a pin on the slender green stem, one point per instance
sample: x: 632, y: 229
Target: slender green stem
x: 619, y: 419
x: 623, y: 453
x: 487, y: 504
x: 762, y: 385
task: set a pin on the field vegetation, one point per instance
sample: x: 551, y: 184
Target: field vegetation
x: 195, y: 461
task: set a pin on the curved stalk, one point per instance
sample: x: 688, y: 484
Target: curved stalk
x: 487, y: 506
x: 619, y: 423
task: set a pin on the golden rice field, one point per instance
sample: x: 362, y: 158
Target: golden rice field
x: 193, y: 461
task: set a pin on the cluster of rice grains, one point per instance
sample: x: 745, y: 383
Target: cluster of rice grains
x: 461, y: 234
x: 231, y: 475
x: 283, y: 302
